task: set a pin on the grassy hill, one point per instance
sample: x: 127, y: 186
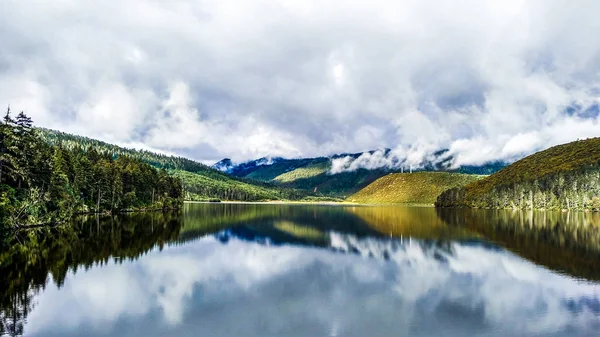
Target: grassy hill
x: 417, y: 187
x: 309, y: 171
x: 562, y: 177
x: 200, y: 187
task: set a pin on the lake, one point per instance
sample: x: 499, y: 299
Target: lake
x: 306, y: 270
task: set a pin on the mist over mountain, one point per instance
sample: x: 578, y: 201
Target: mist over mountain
x: 383, y: 159
x: 343, y: 174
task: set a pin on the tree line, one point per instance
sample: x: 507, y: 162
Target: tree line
x: 44, y: 183
x: 155, y: 159
x: 577, y: 190
x: 563, y: 177
x: 200, y: 182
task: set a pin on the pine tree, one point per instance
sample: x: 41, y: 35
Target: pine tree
x: 25, y: 146
x: 9, y: 169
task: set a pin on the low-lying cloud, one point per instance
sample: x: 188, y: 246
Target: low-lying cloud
x: 210, y: 79
x: 400, y: 158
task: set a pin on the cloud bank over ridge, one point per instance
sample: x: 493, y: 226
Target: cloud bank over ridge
x: 212, y: 79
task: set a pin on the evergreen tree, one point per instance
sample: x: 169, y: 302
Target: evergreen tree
x: 9, y: 169
x: 41, y: 183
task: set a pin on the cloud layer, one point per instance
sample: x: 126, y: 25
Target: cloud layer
x: 211, y: 79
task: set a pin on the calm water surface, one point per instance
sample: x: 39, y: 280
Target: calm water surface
x: 298, y: 270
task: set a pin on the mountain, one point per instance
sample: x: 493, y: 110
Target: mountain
x: 200, y: 181
x: 323, y: 175
x: 562, y: 177
x: 415, y: 188
x: 224, y: 165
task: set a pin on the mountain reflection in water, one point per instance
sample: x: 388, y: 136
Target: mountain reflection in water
x: 305, y: 270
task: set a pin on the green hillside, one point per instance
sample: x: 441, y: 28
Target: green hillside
x: 562, y: 177
x: 307, y: 172
x: 417, y: 187
x: 272, y: 171
x: 199, y: 187
x: 312, y: 176
x: 43, y: 184
x: 200, y: 182
x: 70, y: 141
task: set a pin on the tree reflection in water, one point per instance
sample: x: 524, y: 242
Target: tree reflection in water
x: 564, y: 242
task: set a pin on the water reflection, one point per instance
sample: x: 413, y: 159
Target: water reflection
x: 567, y: 242
x: 43, y: 253
x: 289, y: 270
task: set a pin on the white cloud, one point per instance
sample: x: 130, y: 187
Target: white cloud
x: 520, y: 144
x: 238, y: 79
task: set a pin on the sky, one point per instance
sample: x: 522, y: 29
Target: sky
x: 488, y: 80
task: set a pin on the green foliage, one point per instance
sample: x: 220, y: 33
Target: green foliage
x: 201, y: 182
x: 417, y: 188
x: 562, y: 177
x: 306, y: 172
x: 338, y: 185
x: 202, y: 188
x: 43, y: 183
x: 311, y: 175
x: 70, y: 141
x: 273, y: 172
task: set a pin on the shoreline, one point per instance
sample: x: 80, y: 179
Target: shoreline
x: 100, y: 213
x: 348, y: 203
x: 277, y: 202
x: 322, y: 203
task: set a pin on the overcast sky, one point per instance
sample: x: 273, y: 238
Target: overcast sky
x: 244, y: 79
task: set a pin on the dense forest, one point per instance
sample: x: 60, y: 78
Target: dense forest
x: 562, y: 177
x: 44, y: 183
x: 155, y: 159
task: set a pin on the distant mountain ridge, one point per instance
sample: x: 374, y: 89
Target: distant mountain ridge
x: 315, y: 174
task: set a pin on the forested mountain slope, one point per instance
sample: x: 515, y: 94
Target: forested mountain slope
x: 562, y: 177
x: 200, y: 182
x: 416, y: 188
x: 67, y: 140
x: 41, y: 183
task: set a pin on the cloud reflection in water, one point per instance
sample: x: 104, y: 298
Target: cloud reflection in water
x: 389, y: 288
